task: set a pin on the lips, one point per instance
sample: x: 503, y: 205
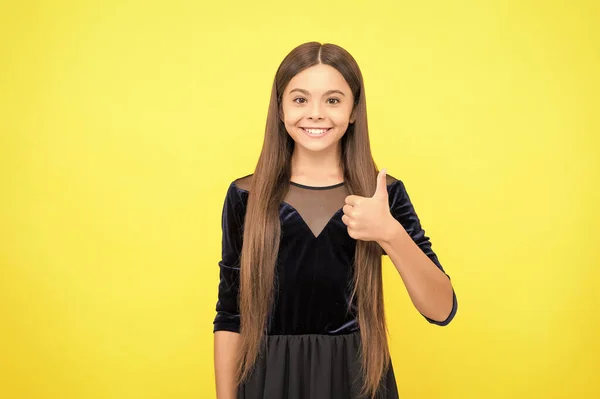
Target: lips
x: 316, y: 133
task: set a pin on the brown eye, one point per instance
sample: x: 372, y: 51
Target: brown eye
x: 298, y: 98
x: 335, y: 99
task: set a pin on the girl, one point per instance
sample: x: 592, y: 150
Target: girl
x: 300, y: 308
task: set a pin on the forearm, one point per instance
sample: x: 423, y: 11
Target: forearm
x: 226, y: 345
x: 429, y: 288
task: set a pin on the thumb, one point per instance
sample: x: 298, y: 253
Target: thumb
x: 381, y: 190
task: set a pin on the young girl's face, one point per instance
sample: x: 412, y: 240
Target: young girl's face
x: 317, y: 107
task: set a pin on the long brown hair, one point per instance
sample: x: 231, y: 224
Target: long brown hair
x: 262, y: 224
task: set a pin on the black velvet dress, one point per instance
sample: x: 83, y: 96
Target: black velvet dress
x: 312, y: 344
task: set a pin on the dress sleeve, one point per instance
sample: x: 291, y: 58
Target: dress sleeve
x: 403, y: 211
x: 228, y: 315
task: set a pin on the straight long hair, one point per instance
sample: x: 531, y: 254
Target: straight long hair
x: 262, y: 224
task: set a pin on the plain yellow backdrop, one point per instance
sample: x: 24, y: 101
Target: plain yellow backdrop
x: 123, y: 122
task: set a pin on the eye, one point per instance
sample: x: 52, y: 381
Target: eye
x: 336, y: 99
x: 299, y: 98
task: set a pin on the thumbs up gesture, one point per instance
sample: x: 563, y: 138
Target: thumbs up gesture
x: 369, y: 218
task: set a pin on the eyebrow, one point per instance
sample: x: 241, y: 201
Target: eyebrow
x: 327, y: 92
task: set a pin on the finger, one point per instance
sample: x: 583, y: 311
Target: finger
x: 347, y: 209
x: 353, y: 199
x: 381, y: 190
x: 345, y: 219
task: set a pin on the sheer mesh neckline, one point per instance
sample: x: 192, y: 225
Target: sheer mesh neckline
x: 316, y: 187
x: 315, y: 207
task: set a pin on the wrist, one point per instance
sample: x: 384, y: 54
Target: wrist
x: 391, y: 230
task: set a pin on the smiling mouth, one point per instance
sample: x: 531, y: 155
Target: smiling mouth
x: 316, y: 131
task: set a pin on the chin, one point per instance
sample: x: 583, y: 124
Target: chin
x: 316, y: 146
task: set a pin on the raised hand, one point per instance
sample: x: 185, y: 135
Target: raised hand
x: 369, y: 218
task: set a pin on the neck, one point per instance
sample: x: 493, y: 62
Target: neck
x: 317, y: 168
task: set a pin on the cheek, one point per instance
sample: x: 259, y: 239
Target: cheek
x: 292, y: 115
x: 341, y: 117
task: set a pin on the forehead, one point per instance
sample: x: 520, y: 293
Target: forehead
x: 319, y: 78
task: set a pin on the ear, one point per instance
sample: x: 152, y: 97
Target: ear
x: 353, y: 116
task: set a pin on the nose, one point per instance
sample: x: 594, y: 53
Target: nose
x: 316, y: 112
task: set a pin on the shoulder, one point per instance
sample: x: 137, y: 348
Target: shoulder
x: 396, y: 191
x: 393, y: 183
x: 390, y: 179
x: 238, y: 189
x: 243, y: 183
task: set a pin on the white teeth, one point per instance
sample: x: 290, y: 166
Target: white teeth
x: 316, y: 132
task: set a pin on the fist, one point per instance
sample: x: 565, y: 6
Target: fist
x: 368, y: 218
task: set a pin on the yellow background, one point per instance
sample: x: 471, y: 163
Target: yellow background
x: 123, y: 122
